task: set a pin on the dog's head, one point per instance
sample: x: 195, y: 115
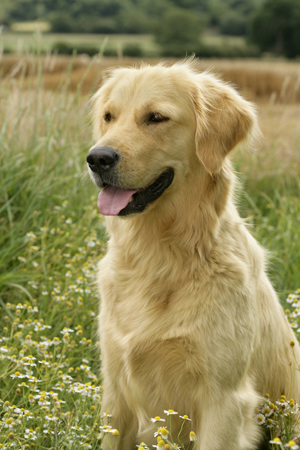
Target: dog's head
x: 153, y: 126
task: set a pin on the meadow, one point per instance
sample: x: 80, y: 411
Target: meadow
x: 52, y: 235
x: 22, y: 42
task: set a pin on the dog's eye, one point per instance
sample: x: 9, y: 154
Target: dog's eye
x: 156, y: 117
x: 107, y: 117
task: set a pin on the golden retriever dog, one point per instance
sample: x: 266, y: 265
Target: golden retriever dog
x: 189, y: 320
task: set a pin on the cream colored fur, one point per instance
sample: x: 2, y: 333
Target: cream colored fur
x: 189, y: 320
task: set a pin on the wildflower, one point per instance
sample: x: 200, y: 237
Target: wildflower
x: 67, y: 330
x: 267, y: 410
x: 18, y: 375
x: 292, y: 445
x: 185, y: 417
x: 159, y: 445
x: 48, y: 432
x: 31, y: 235
x: 107, y: 414
x: 30, y: 434
x: 45, y: 363
x: 275, y: 441
x: 66, y: 338
x: 115, y: 432
x: 105, y: 428
x: 260, y: 419
x: 282, y: 403
x: 142, y: 446
x: 269, y: 423
x: 22, y: 259
x: 157, y: 419
x: 170, y: 412
x: 292, y: 343
x: 193, y: 436
x: 51, y: 418
x: 163, y: 432
x: 8, y: 423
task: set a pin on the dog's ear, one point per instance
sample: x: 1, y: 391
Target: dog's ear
x: 223, y: 119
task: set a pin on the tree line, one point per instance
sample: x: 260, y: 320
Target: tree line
x: 128, y: 16
x: 272, y: 25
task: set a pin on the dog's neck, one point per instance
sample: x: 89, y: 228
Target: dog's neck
x: 170, y: 224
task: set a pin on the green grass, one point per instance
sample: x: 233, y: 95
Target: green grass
x: 273, y: 209
x: 24, y: 42
x: 210, y: 38
x: 51, y: 236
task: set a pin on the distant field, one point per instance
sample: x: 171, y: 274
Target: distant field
x: 276, y: 81
x: 217, y: 39
x: 23, y: 42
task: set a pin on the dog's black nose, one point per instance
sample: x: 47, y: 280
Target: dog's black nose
x: 102, y: 159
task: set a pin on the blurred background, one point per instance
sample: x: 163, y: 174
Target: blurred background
x: 154, y: 28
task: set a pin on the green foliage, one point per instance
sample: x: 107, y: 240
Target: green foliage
x: 202, y: 50
x: 133, y: 50
x: 66, y: 49
x: 126, y: 16
x: 276, y: 27
x: 178, y: 32
x: 227, y: 51
x: 234, y: 24
x: 133, y: 21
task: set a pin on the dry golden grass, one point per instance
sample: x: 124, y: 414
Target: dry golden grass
x: 278, y: 81
x: 278, y: 152
x: 274, y: 86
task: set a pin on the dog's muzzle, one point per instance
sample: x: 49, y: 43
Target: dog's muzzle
x: 119, y: 200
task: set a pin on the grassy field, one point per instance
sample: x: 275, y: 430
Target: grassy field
x: 52, y: 235
x: 25, y: 42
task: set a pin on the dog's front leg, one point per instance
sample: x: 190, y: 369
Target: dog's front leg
x: 228, y: 421
x: 121, y: 420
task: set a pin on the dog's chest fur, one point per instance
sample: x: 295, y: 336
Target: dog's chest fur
x: 145, y: 321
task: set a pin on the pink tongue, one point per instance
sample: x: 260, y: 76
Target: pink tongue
x: 112, y: 199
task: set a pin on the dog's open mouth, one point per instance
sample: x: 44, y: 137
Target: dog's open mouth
x: 117, y: 201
